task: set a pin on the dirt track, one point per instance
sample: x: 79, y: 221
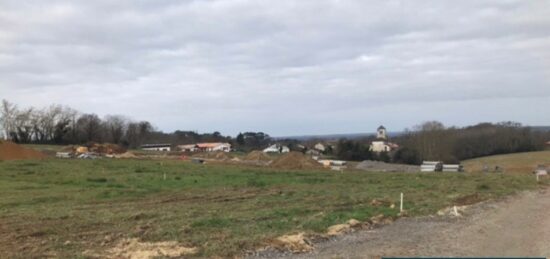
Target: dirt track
x: 517, y: 226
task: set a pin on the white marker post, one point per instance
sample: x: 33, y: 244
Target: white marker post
x: 165, y: 176
x: 401, y: 204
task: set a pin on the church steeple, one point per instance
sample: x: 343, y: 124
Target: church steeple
x: 381, y: 133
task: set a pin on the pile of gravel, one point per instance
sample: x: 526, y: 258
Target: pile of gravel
x: 377, y: 166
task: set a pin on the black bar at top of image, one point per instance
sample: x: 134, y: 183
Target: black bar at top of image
x: 463, y: 257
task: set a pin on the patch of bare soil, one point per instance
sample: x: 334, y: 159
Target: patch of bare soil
x: 295, y: 160
x: 377, y: 166
x: 222, y: 156
x: 132, y: 248
x: 517, y: 226
x: 468, y: 199
x: 12, y: 151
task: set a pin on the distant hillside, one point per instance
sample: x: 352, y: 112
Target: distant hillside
x: 510, y: 163
x: 541, y: 128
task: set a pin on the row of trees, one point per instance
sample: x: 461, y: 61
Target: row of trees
x: 58, y: 124
x: 350, y: 150
x: 433, y: 141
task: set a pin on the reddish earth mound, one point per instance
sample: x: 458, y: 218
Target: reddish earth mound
x: 106, y: 148
x: 12, y: 151
x: 296, y: 160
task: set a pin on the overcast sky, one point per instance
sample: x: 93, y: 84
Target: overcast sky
x: 282, y: 67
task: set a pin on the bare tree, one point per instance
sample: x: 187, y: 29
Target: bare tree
x: 89, y: 128
x: 138, y: 132
x: 23, y: 126
x: 49, y: 118
x: 7, y: 117
x: 116, y: 126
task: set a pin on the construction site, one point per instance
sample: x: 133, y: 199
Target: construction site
x: 168, y: 204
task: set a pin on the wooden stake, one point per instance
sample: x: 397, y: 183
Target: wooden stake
x: 401, y: 204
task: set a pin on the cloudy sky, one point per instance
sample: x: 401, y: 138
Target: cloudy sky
x: 283, y: 67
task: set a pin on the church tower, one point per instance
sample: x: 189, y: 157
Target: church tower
x: 381, y: 133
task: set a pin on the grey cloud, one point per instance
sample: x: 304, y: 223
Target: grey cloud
x: 281, y: 67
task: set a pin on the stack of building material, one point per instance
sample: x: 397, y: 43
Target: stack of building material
x: 541, y: 170
x: 63, y: 155
x: 452, y: 168
x: 431, y: 166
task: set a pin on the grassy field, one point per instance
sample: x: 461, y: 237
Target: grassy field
x: 523, y: 163
x: 63, y: 207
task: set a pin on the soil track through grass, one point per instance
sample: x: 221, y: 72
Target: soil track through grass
x: 515, y: 227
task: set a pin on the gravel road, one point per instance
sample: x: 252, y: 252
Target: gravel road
x: 516, y: 226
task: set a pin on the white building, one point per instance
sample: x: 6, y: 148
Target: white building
x: 381, y: 144
x: 381, y: 133
x: 156, y: 147
x: 188, y: 148
x: 206, y: 147
x: 276, y: 148
x: 213, y: 147
x: 320, y: 147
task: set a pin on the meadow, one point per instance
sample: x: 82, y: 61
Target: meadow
x: 523, y: 163
x: 60, y: 208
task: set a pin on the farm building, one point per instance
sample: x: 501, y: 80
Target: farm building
x: 156, y: 147
x: 188, y: 148
x: 381, y: 144
x: 276, y: 148
x: 212, y: 147
x: 205, y: 147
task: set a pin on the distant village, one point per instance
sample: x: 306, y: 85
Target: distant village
x: 428, y: 146
x: 381, y: 144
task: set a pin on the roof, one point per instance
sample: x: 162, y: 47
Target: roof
x: 187, y: 146
x: 155, y: 145
x: 381, y: 127
x: 211, y: 145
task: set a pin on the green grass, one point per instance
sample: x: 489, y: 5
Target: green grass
x: 223, y: 210
x: 524, y: 163
x: 45, y: 147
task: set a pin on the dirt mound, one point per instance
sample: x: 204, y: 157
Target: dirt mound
x: 257, y: 156
x: 127, y: 154
x: 297, y: 243
x: 296, y: 160
x: 12, y: 151
x: 106, y: 148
